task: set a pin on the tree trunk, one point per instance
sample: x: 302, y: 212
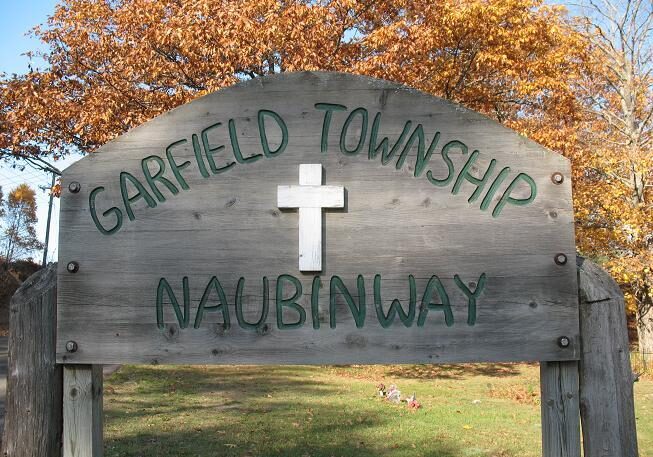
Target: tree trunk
x: 645, y: 334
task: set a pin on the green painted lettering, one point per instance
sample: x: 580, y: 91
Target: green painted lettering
x: 435, y: 284
x: 239, y: 305
x: 289, y: 302
x: 494, y: 187
x: 329, y: 108
x: 176, y: 168
x: 233, y: 137
x: 450, y: 168
x: 113, y: 210
x: 198, y: 156
x: 386, y: 155
x: 506, y: 197
x: 210, y: 150
x: 141, y: 193
x: 424, y: 158
x: 264, y: 138
x: 223, y: 307
x: 158, y: 176
x: 315, y: 297
x: 471, y: 296
x: 164, y: 286
x: 363, y: 132
x: 395, y: 308
x: 466, y: 175
x: 357, y: 311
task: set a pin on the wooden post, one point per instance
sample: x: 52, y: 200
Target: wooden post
x: 560, y: 419
x: 82, y: 411
x: 606, y: 378
x: 34, y: 381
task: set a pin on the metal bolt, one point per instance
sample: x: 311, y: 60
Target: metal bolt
x: 564, y: 342
x: 74, y: 187
x: 560, y: 259
x: 71, y: 346
x: 72, y: 267
x: 557, y: 178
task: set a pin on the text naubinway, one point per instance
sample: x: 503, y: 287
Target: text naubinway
x: 288, y: 291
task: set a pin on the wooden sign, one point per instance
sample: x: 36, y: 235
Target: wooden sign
x: 317, y: 218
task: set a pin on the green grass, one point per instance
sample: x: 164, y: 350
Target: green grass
x: 644, y: 415
x: 163, y: 411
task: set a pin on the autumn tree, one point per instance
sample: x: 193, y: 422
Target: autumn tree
x: 2, y: 203
x: 2, y: 213
x: 19, y: 232
x: 614, y: 171
x: 112, y: 65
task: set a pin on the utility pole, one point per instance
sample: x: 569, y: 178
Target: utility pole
x: 47, y: 226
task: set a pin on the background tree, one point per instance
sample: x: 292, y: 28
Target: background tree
x: 2, y: 203
x: 114, y: 65
x: 19, y: 233
x: 614, y: 172
x: 577, y: 87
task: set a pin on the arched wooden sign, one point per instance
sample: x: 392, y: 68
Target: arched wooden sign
x: 317, y: 218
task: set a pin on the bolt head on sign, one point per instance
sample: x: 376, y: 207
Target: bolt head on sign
x: 318, y: 218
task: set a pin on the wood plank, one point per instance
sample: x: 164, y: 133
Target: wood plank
x: 560, y: 409
x: 310, y: 239
x: 606, y: 378
x: 82, y: 411
x: 310, y: 196
x: 407, y: 214
x: 34, y: 380
x: 310, y: 174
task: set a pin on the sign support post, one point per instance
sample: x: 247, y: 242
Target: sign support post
x: 82, y: 411
x: 560, y: 409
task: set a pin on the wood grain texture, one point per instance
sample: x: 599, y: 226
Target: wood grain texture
x: 560, y: 409
x: 407, y: 217
x: 310, y: 197
x: 34, y: 380
x: 310, y: 239
x: 82, y: 411
x: 310, y: 174
x: 606, y: 377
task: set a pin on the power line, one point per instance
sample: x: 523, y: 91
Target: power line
x: 31, y: 177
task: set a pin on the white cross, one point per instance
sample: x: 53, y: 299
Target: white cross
x: 310, y: 197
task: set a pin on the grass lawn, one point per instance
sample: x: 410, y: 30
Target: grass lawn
x: 487, y: 410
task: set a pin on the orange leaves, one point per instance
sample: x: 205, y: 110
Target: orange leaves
x: 511, y: 59
x: 112, y: 65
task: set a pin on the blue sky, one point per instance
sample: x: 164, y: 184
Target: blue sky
x: 17, y: 18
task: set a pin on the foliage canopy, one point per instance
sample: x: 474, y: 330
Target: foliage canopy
x: 574, y: 85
